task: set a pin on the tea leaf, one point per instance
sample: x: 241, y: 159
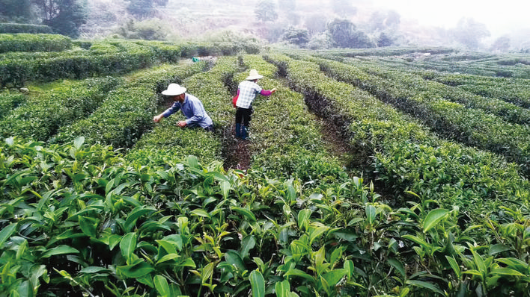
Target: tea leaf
x: 257, y: 283
x: 425, y: 285
x: 162, y: 286
x: 433, y: 218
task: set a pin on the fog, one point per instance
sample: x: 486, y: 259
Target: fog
x: 473, y: 24
x: 500, y: 17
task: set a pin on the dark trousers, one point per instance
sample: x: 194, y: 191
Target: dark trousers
x: 243, y: 116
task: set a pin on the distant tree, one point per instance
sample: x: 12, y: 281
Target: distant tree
x: 144, y: 8
x: 16, y: 9
x: 141, y: 8
x: 344, y: 34
x: 316, y: 24
x: 266, y: 11
x: 320, y: 41
x: 152, y: 29
x: 384, y: 40
x: 501, y: 44
x: 296, y: 36
x: 343, y: 7
x: 469, y: 33
x: 64, y: 16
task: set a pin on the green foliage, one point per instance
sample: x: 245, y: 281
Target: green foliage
x: 9, y: 102
x: 299, y: 37
x: 16, y: 9
x: 24, y: 28
x: 102, y: 58
x: 33, y: 43
x: 63, y: 16
x: 344, y: 34
x: 153, y: 29
x: 406, y: 155
x: 46, y: 112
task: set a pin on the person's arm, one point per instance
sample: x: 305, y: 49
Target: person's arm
x: 267, y: 92
x: 174, y: 108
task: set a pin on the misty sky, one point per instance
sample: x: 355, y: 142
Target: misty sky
x: 499, y: 16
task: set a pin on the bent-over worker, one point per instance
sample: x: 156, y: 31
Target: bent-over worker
x: 190, y: 106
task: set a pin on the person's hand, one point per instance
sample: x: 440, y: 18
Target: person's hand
x: 273, y: 91
x: 182, y: 124
x: 157, y: 118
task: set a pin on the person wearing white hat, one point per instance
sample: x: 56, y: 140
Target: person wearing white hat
x: 247, y: 92
x: 190, y: 106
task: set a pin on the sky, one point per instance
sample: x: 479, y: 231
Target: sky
x: 499, y: 16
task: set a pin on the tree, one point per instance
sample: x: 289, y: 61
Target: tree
x: 469, y: 32
x: 16, y: 8
x: 344, y: 34
x: 64, y: 16
x: 144, y: 8
x: 299, y: 37
x: 266, y: 11
x: 141, y: 8
x: 501, y: 44
x: 384, y: 40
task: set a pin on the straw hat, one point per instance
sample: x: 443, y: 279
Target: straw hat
x: 254, y: 75
x: 174, y: 90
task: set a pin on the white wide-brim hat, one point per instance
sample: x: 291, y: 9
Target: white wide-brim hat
x: 174, y: 90
x: 254, y: 75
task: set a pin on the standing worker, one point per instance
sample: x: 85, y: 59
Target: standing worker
x: 190, y: 106
x: 247, y: 92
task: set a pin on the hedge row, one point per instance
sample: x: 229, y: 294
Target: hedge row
x: 473, y: 127
x: 386, y: 51
x: 516, y: 91
x: 286, y: 138
x: 404, y: 155
x: 24, y: 28
x: 414, y: 84
x: 169, y: 142
x: 34, y: 43
x: 128, y: 111
x: 41, y: 117
x: 473, y: 65
x: 79, y: 64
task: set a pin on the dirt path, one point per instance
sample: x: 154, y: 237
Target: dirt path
x: 237, y: 154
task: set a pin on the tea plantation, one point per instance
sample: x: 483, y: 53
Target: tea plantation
x: 387, y: 172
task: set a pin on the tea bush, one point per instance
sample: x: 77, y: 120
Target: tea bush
x: 406, y: 156
x: 8, y: 102
x: 473, y: 127
x: 34, y: 43
x: 41, y: 117
x: 24, y: 28
x: 103, y: 59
